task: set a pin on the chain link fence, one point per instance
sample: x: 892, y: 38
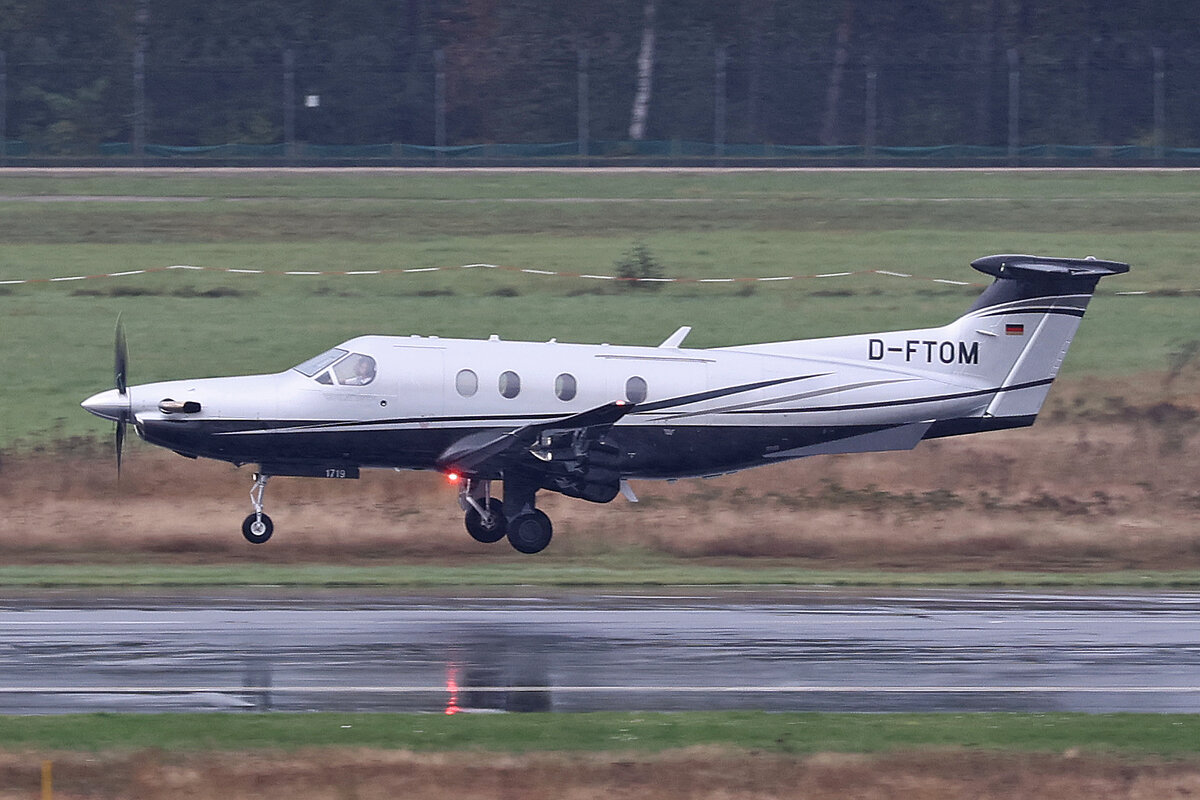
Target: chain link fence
x: 936, y: 100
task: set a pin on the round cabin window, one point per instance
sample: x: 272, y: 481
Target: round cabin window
x: 466, y: 382
x: 635, y: 389
x: 510, y: 384
x: 565, y: 387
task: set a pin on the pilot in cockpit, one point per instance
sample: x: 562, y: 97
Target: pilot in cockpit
x: 357, y: 370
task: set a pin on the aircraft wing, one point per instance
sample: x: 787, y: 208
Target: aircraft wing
x: 472, y: 453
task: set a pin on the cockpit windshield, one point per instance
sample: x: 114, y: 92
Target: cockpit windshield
x: 318, y: 363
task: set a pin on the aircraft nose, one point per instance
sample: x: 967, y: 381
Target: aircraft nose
x: 108, y: 405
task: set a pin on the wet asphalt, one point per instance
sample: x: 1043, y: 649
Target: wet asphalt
x: 783, y: 651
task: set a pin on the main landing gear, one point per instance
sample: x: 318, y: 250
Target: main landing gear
x: 257, y: 528
x: 490, y: 520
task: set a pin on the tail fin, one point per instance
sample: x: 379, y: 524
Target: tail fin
x: 1027, y: 318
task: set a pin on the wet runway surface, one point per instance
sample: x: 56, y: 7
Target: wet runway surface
x: 801, y: 650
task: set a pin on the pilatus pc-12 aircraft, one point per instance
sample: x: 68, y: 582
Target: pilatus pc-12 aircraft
x: 583, y: 419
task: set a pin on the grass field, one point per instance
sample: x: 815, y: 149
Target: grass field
x: 698, y: 773
x: 692, y: 755
x: 1099, y: 492
x: 1169, y: 735
x: 57, y: 336
x: 635, y: 570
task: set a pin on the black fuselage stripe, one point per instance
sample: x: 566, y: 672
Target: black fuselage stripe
x: 713, y: 394
x: 904, y: 402
x: 1066, y: 312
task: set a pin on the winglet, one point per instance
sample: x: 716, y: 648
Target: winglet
x: 676, y: 339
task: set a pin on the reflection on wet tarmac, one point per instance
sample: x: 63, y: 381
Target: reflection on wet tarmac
x: 802, y: 650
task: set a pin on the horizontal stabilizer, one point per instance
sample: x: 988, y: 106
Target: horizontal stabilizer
x: 1018, y: 266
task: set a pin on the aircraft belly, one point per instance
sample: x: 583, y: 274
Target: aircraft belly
x: 257, y: 442
x: 690, y: 451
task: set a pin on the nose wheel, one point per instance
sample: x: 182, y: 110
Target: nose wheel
x: 257, y: 527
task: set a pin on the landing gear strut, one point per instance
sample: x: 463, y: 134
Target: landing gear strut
x: 257, y: 528
x: 484, y: 514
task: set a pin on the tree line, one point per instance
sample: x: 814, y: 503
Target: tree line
x: 77, y: 73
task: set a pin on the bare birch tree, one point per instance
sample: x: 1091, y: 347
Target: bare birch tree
x: 645, y: 70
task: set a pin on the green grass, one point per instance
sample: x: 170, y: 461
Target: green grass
x: 418, y: 184
x: 1170, y: 735
x: 57, y: 336
x: 634, y: 571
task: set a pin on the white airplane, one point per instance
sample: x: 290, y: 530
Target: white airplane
x: 583, y: 419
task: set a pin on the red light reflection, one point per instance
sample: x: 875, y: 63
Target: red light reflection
x: 452, y: 689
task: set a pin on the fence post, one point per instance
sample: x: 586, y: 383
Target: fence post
x: 719, y: 101
x: 289, y: 103
x: 1160, y: 103
x: 582, y: 120
x: 3, y: 108
x: 439, y: 102
x: 141, y: 18
x: 870, y: 110
x: 1014, y: 106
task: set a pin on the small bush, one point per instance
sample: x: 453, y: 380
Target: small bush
x: 637, y: 266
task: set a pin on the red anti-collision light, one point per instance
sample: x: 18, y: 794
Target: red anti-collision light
x: 453, y: 477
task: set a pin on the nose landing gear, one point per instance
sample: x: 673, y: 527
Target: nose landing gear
x: 257, y: 528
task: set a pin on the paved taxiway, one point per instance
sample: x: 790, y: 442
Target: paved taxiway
x: 804, y: 650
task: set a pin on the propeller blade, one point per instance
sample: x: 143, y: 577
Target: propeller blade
x: 120, y: 443
x: 120, y: 358
x: 120, y: 374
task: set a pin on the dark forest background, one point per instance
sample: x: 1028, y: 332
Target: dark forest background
x: 795, y: 70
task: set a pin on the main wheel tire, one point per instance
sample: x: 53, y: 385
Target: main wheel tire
x: 530, y: 532
x: 485, y: 533
x: 257, y: 531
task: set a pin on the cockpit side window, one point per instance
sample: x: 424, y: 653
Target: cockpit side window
x: 355, y: 370
x: 318, y: 363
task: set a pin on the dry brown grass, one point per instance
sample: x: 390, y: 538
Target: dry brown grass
x: 694, y: 773
x: 1107, y: 480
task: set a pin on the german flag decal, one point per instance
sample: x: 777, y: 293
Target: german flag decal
x: 1014, y: 329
